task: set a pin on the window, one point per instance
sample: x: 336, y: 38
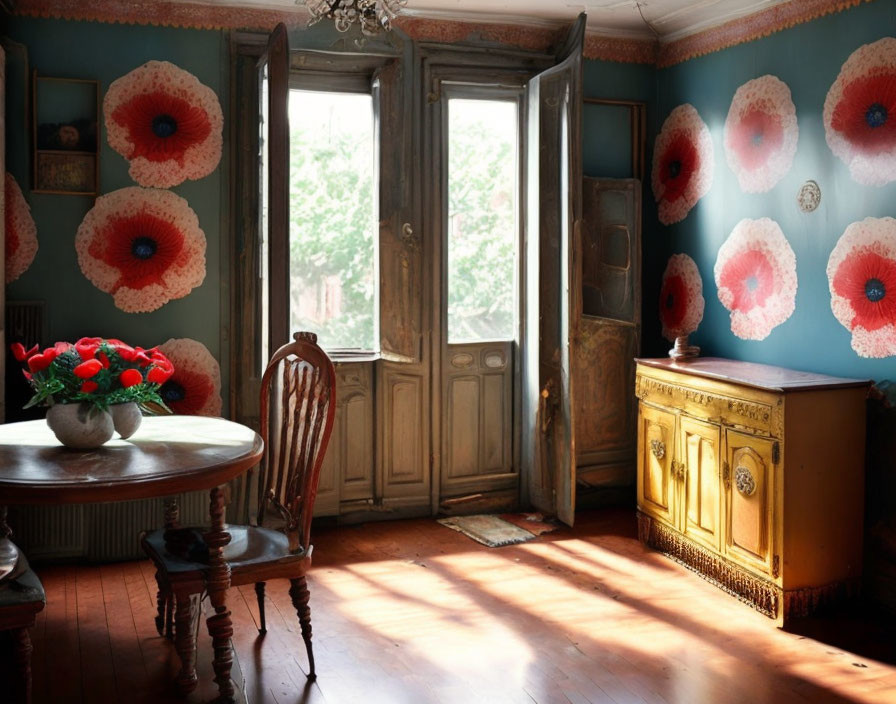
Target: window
x: 333, y: 218
x: 483, y: 208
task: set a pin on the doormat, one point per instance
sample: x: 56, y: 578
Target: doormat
x: 488, y: 529
x: 533, y: 522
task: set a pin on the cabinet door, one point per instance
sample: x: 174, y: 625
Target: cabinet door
x: 700, y: 451
x: 748, y: 476
x: 656, y: 447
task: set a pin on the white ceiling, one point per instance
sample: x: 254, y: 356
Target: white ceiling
x: 667, y: 19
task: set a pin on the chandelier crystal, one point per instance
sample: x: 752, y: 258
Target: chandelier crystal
x: 373, y: 16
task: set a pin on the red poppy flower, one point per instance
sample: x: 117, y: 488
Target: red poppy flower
x: 761, y: 133
x: 88, y: 387
x: 87, y: 347
x: 195, y: 386
x: 165, y: 122
x: 860, y: 113
x: 682, y: 164
x: 862, y: 278
x: 62, y: 347
x: 20, y: 353
x: 681, y: 297
x: 130, y: 377
x: 21, y: 232
x: 755, y: 273
x: 87, y: 369
x: 144, y: 247
x: 39, y: 362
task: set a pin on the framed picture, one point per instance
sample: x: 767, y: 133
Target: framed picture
x: 66, y: 142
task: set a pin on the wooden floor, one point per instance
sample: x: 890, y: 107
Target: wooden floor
x: 412, y: 612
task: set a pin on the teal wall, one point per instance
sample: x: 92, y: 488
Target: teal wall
x: 808, y: 58
x: 606, y: 138
x: 105, y: 52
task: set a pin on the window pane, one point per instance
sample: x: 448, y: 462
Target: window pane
x: 333, y: 218
x: 482, y: 219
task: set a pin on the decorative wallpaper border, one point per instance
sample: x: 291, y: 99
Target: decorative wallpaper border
x: 597, y: 46
x: 746, y: 29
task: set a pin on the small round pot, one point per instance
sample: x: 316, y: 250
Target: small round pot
x: 126, y: 418
x: 80, y: 426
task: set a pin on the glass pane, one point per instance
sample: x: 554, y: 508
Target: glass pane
x: 482, y: 219
x: 333, y: 218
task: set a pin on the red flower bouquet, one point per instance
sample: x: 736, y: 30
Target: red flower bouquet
x: 98, y: 372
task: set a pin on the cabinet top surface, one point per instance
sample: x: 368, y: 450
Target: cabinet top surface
x: 760, y: 376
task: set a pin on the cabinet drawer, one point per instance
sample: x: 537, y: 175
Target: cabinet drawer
x: 761, y: 414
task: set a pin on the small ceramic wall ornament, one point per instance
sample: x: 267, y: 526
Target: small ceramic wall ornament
x: 195, y: 387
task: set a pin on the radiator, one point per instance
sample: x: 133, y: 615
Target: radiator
x: 110, y: 531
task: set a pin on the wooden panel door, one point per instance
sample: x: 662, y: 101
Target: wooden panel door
x: 657, y: 487
x: 609, y: 332
x: 553, y: 295
x: 477, y: 447
x: 700, y: 453
x: 748, y: 477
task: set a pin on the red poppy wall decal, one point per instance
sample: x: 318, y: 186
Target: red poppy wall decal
x: 681, y: 297
x: 862, y: 278
x: 860, y: 113
x: 21, y: 232
x: 195, y: 387
x: 761, y: 133
x: 682, y: 164
x: 143, y: 246
x: 165, y: 122
x: 756, y: 276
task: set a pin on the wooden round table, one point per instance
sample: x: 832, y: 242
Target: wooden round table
x: 167, y: 455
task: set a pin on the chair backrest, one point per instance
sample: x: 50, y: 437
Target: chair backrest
x: 298, y: 404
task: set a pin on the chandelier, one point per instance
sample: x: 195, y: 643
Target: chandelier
x: 372, y: 15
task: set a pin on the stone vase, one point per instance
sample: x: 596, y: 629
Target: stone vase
x: 126, y: 418
x: 80, y: 426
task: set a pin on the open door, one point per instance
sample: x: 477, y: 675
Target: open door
x: 553, y: 293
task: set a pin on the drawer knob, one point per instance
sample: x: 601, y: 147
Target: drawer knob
x: 658, y: 448
x: 744, y: 481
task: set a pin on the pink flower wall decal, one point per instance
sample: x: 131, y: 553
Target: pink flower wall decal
x: 195, y: 386
x: 681, y: 297
x: 761, y: 133
x: 755, y: 273
x: 682, y: 164
x: 21, y: 232
x: 860, y: 113
x: 143, y: 246
x: 862, y: 278
x: 165, y: 122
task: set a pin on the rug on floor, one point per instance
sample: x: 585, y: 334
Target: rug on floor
x: 488, y: 529
x: 533, y: 522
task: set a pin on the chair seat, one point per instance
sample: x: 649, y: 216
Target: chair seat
x: 249, y: 546
x: 24, y: 590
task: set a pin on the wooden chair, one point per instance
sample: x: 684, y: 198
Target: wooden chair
x: 22, y: 597
x: 296, y: 421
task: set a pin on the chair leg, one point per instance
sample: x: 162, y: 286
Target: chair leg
x: 185, y: 615
x: 22, y: 656
x: 300, y: 595
x: 161, y: 602
x: 259, y: 593
x: 169, y: 616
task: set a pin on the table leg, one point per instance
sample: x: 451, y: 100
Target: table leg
x: 220, y: 626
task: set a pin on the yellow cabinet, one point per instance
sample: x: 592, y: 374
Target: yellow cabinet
x: 753, y: 476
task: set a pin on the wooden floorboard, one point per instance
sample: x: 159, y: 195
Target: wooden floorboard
x: 410, y: 612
